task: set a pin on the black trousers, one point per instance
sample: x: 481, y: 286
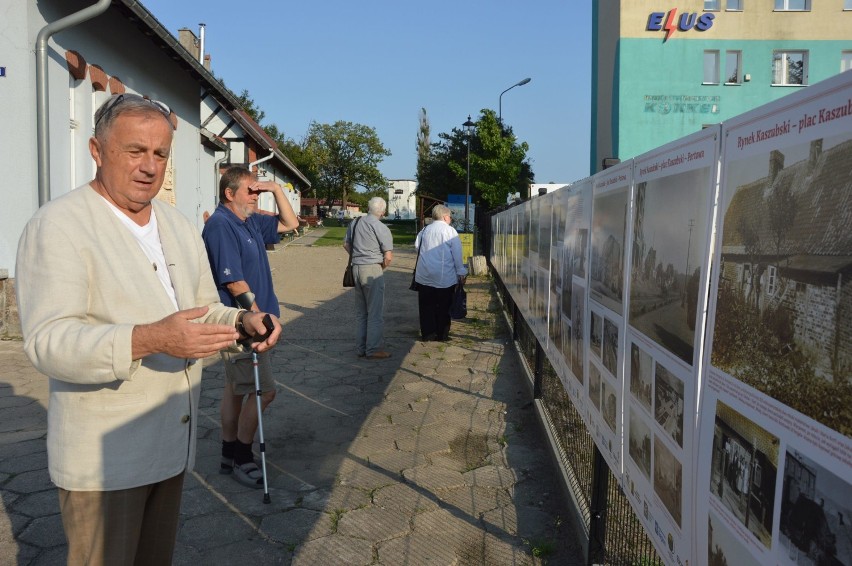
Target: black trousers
x: 434, y: 305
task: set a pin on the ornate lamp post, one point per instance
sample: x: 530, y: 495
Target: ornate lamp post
x: 468, y: 132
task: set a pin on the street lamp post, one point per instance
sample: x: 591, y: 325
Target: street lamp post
x: 500, y: 100
x: 468, y: 131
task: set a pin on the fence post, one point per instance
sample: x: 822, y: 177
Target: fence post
x: 516, y: 317
x: 539, y: 370
x: 597, y: 526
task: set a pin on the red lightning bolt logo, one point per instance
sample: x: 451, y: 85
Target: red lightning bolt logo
x: 670, y: 24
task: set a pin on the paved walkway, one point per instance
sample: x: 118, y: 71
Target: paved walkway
x: 431, y: 457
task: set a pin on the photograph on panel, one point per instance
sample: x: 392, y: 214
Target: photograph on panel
x: 784, y: 301
x: 545, y: 222
x: 578, y: 314
x: 567, y: 348
x: 560, y: 212
x: 669, y: 226
x: 532, y: 223
x: 542, y: 296
x: 595, y: 386
x: 743, y: 469
x: 596, y: 334
x: 567, y: 280
x: 816, y: 513
x: 668, y: 402
x: 610, y: 347
x: 723, y: 548
x: 639, y: 442
x: 528, y: 243
x: 609, y: 226
x: 580, y: 241
x: 556, y: 268
x: 609, y: 404
x: 668, y: 480
x: 554, y: 324
x: 641, y: 368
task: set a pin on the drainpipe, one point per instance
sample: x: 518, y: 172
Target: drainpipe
x: 262, y: 159
x: 216, y: 169
x: 42, y: 106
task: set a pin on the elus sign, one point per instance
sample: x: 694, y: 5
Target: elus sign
x: 670, y: 22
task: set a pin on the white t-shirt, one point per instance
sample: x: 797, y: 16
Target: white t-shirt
x: 148, y: 238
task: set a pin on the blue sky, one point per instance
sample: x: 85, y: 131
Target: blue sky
x: 377, y: 62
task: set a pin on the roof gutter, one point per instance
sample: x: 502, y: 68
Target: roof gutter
x: 42, y: 106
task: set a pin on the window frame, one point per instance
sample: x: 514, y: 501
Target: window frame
x: 739, y: 67
x: 845, y: 60
x: 785, y: 6
x: 716, y: 69
x: 715, y: 5
x: 784, y: 55
x: 738, y: 8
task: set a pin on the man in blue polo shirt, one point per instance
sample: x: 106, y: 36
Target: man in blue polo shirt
x: 236, y: 238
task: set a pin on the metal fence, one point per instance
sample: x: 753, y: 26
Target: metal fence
x: 616, y: 537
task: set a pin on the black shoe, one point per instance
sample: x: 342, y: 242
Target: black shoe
x: 430, y: 337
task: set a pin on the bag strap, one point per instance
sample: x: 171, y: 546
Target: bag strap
x: 352, y: 245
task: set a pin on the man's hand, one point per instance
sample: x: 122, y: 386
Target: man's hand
x: 260, y: 337
x: 264, y: 186
x: 177, y: 335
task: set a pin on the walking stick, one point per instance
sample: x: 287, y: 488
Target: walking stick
x: 267, y: 322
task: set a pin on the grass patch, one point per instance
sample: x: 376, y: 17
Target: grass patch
x: 333, y: 236
x: 404, y: 233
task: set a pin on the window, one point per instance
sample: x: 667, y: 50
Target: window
x: 734, y: 5
x: 847, y: 4
x: 845, y: 60
x: 711, y: 4
x: 790, y: 68
x: 771, y: 280
x: 793, y: 5
x: 733, y: 73
x: 711, y: 67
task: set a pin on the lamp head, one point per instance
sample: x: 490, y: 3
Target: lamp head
x: 523, y: 82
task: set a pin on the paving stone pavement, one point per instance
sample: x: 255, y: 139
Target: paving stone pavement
x: 433, y: 456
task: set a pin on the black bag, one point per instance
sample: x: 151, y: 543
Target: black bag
x: 348, y: 276
x: 458, y: 308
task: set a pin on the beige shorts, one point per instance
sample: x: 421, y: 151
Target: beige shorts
x: 239, y: 372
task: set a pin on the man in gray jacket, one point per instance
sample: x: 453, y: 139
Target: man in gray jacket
x: 371, y: 244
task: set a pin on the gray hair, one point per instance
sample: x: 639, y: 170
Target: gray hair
x: 439, y: 211
x: 126, y: 103
x: 377, y: 206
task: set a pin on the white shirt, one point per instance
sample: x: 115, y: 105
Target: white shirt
x: 440, y: 262
x: 148, y: 238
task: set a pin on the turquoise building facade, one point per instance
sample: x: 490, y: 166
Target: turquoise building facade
x: 657, y: 76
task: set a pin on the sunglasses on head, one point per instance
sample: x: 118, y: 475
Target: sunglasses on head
x: 119, y: 99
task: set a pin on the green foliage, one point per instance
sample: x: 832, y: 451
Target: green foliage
x: 758, y: 349
x: 498, y: 163
x: 344, y: 156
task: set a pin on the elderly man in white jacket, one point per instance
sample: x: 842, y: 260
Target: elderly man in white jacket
x: 117, y: 304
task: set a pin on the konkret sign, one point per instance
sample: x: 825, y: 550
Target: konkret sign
x: 670, y: 22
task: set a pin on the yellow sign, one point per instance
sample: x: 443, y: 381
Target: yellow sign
x: 467, y: 246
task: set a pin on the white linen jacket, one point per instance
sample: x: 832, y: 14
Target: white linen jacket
x: 82, y: 283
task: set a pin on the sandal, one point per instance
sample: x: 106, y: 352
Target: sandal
x: 249, y: 475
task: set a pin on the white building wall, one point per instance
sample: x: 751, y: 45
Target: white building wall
x: 402, y: 201
x: 121, y: 50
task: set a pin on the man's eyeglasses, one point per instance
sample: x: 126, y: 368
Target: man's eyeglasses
x: 119, y: 99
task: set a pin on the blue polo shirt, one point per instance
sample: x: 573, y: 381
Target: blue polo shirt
x: 237, y: 252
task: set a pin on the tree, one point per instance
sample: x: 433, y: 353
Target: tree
x: 423, y: 144
x: 344, y: 156
x: 498, y: 164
